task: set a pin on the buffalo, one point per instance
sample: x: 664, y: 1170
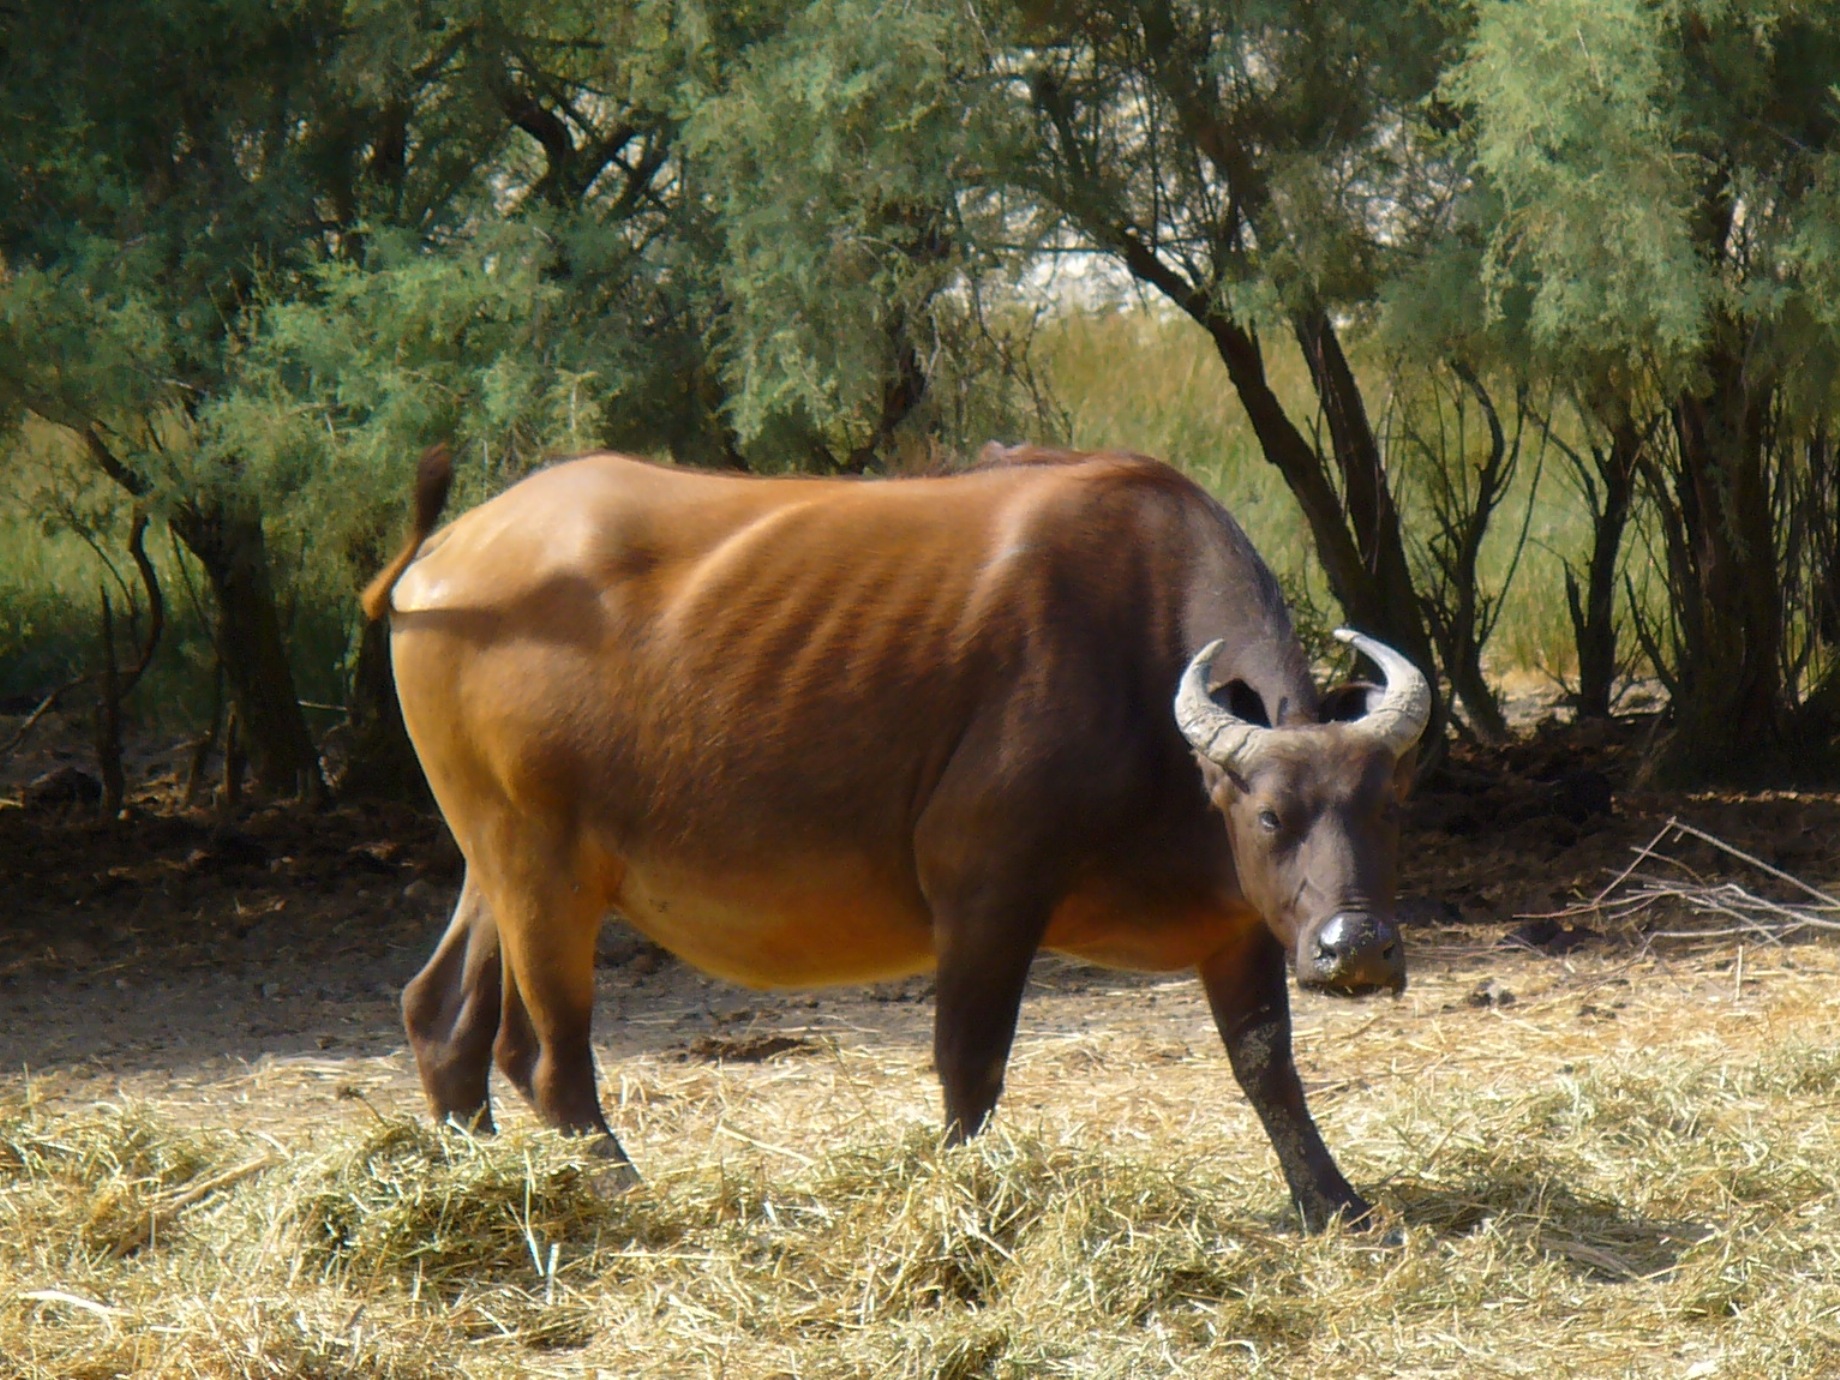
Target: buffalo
x: 803, y: 731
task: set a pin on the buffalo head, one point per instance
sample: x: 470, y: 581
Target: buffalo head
x: 1312, y: 813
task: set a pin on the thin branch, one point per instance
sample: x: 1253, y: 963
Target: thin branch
x: 111, y: 464
x: 45, y: 706
x: 1631, y: 895
x: 1757, y: 863
x: 156, y: 605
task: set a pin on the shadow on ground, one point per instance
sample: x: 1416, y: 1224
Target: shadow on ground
x: 1596, y: 1238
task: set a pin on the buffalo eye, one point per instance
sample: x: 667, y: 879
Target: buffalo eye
x: 1269, y: 821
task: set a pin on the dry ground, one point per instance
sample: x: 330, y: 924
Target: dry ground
x: 1615, y: 1160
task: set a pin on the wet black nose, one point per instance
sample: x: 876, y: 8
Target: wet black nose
x: 1355, y: 953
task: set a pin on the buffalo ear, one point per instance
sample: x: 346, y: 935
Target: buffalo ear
x: 1346, y: 703
x: 1405, y: 773
x: 1246, y: 703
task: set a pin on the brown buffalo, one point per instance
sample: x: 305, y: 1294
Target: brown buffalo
x: 806, y: 731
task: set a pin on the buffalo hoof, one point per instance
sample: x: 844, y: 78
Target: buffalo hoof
x: 1358, y: 1216
x: 1370, y: 1227
x: 612, y: 1174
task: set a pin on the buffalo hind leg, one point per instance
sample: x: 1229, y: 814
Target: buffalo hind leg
x: 983, y: 965
x: 1245, y: 988
x: 451, y: 1013
x: 546, y: 930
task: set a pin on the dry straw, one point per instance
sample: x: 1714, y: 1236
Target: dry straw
x: 1631, y: 1169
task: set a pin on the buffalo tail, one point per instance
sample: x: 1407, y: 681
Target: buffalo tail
x: 434, y: 476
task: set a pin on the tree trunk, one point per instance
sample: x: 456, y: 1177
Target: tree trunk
x: 383, y: 764
x: 1358, y: 542
x: 1366, y: 497
x: 1729, y: 705
x: 1480, y: 706
x: 1817, y: 720
x: 231, y: 548
x: 1463, y: 500
x: 1593, y: 609
x: 201, y: 751
x: 108, y: 720
x: 1304, y: 474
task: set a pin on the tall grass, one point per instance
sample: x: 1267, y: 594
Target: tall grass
x: 1133, y: 378
x: 64, y: 540
x: 43, y: 578
x: 1150, y: 381
x: 51, y: 585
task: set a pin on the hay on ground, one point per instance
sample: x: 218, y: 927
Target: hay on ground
x: 1629, y: 1170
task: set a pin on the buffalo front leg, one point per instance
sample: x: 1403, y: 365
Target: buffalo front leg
x: 451, y: 1012
x: 1245, y: 988
x: 983, y: 964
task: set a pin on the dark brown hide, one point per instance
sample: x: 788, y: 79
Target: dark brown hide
x: 806, y: 731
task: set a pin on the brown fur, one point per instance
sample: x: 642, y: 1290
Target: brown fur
x: 805, y: 731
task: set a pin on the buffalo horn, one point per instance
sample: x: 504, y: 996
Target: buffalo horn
x: 1217, y: 734
x: 1405, y: 706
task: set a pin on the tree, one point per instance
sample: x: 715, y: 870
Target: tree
x: 1469, y: 456
x: 137, y: 199
x: 1604, y: 468
x: 1666, y: 179
x: 1255, y: 164
x: 863, y: 236
x: 255, y: 275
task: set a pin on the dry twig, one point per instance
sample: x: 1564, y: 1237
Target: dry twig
x: 1634, y: 894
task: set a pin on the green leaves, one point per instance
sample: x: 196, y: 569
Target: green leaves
x: 272, y: 250
x: 345, y: 375
x: 847, y: 162
x: 1578, y: 124
x: 1660, y: 170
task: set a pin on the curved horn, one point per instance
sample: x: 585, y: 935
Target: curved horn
x: 1217, y: 734
x: 1405, y: 707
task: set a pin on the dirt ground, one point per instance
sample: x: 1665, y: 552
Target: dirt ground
x: 1600, y: 1150
x: 246, y: 970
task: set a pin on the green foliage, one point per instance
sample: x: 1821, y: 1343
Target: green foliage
x: 848, y: 159
x: 1664, y: 242
x: 1150, y: 381
x: 340, y: 382
x: 521, y: 227
x: 831, y: 181
x: 248, y: 277
x: 1250, y: 147
x: 1580, y: 134
x: 1666, y: 180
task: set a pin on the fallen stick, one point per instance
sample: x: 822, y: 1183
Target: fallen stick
x: 1829, y: 903
x: 1631, y: 893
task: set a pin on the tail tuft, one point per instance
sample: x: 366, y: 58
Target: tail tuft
x: 434, y: 477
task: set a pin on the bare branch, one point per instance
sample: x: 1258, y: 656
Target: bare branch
x: 156, y: 605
